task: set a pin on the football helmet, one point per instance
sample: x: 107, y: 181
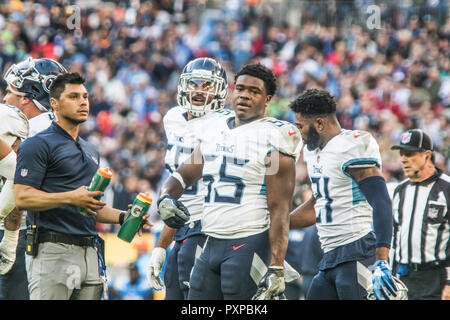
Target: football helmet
x: 402, y: 291
x: 33, y: 77
x: 202, y: 86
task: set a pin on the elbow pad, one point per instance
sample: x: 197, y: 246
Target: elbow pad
x: 375, y: 190
x: 8, y: 166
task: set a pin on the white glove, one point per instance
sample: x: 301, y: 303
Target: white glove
x: 290, y: 274
x: 154, y: 268
x: 8, y: 250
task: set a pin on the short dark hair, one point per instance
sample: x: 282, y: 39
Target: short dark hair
x: 59, y: 84
x: 314, y: 102
x: 261, y: 72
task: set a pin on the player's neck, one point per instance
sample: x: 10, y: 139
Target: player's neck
x: 240, y: 122
x: 330, y: 134
x: 30, y: 110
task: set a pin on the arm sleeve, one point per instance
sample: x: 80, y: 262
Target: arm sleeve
x: 32, y: 162
x: 375, y: 190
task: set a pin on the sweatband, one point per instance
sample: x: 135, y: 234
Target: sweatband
x: 375, y: 190
x: 8, y: 165
x: 178, y: 176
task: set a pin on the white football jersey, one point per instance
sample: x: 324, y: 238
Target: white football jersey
x: 342, y: 212
x: 234, y: 173
x: 13, y: 124
x: 40, y: 123
x: 181, y: 142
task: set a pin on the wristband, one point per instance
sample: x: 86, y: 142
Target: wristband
x: 178, y: 176
x: 122, y: 217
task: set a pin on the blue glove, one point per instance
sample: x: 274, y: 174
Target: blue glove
x: 172, y: 212
x: 382, y: 281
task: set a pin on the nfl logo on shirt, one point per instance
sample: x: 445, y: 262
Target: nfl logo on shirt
x: 433, y: 213
x: 24, y: 172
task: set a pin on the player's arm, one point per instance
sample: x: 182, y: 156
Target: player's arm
x: 173, y: 212
x: 4, y: 149
x: 7, y: 169
x: 11, y: 217
x: 280, y: 190
x: 186, y: 175
x: 372, y: 184
x: 304, y: 215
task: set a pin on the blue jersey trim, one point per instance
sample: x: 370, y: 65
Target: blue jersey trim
x: 357, y: 195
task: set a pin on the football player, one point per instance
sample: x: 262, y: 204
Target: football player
x: 26, y: 111
x: 202, y: 93
x: 247, y: 162
x: 349, y: 196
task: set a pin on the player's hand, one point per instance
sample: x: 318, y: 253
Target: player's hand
x: 154, y: 268
x: 7, y: 255
x: 172, y: 212
x: 382, y: 281
x: 84, y: 198
x: 271, y: 286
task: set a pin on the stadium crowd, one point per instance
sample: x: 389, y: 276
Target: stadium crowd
x: 386, y: 79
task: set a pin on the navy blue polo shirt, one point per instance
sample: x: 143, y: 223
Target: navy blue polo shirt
x: 52, y: 161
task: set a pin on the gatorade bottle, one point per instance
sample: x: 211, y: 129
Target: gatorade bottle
x: 99, y: 182
x: 131, y: 224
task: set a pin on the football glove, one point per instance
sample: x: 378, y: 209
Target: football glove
x: 382, y: 281
x: 271, y: 286
x: 172, y: 212
x: 154, y: 268
x: 290, y: 274
x: 8, y: 251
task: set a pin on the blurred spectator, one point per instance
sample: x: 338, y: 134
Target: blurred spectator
x: 134, y: 287
x: 385, y: 80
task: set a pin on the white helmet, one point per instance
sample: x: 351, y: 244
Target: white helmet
x: 196, y: 72
x: 402, y: 291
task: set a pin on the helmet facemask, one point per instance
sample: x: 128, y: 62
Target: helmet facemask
x: 194, y: 84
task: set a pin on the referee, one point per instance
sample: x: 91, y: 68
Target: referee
x: 421, y: 220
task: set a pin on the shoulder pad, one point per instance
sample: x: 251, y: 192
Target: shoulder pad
x: 284, y: 136
x: 14, y: 121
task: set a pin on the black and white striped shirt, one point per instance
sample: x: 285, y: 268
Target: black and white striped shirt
x: 421, y: 220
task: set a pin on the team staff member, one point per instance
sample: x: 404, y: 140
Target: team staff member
x: 53, y: 171
x: 25, y: 112
x: 421, y: 220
